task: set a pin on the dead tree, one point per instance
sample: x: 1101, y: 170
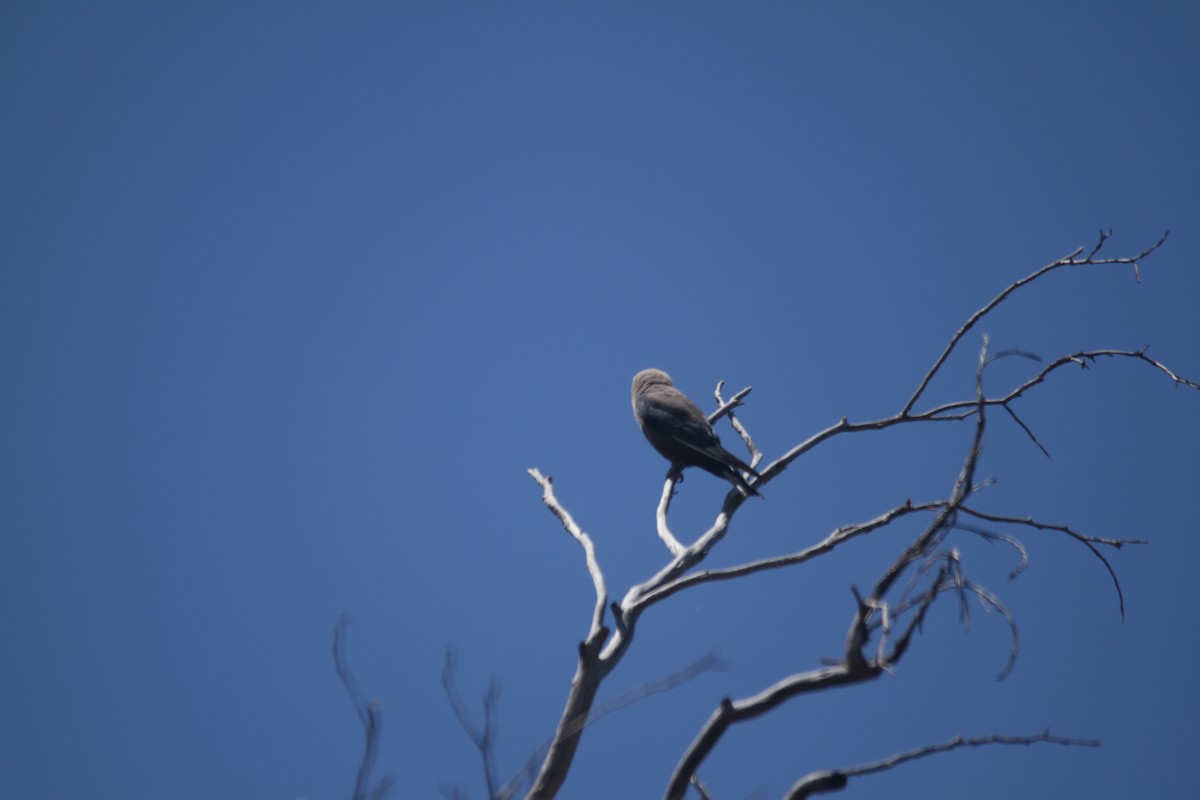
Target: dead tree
x: 884, y: 619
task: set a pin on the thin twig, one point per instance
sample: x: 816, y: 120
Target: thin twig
x: 1081, y: 359
x: 991, y: 537
x: 701, y: 789
x: 1026, y: 428
x: 755, y: 455
x: 834, y: 780
x: 484, y: 738
x: 728, y: 406
x: 370, y: 714
x: 990, y: 602
x: 1089, y: 542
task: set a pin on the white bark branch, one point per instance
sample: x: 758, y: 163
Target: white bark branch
x: 660, y: 517
x: 585, y: 541
x: 747, y: 439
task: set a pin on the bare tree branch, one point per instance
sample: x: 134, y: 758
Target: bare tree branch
x: 590, y: 671
x: 484, y: 738
x: 831, y: 541
x: 1089, y: 542
x: 1026, y: 428
x: 727, y: 406
x: 1068, y: 260
x: 660, y: 516
x: 962, y: 409
x: 857, y: 667
x: 369, y: 713
x: 945, y: 517
x: 730, y: 712
x: 708, y: 663
x: 1081, y: 359
x: 585, y: 541
x: 991, y: 537
x: 901, y: 645
x: 834, y: 780
x: 990, y: 602
x: 755, y: 455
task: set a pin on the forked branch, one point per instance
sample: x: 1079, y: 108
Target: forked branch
x: 870, y: 613
x: 1090, y: 542
x: 1070, y: 260
x: 484, y: 738
x: 370, y: 714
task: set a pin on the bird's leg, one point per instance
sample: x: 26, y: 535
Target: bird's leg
x: 675, y: 474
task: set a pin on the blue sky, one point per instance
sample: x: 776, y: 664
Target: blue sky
x: 292, y: 296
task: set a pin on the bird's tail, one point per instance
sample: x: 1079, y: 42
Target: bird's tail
x: 739, y: 482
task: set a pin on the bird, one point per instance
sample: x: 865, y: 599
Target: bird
x: 680, y: 432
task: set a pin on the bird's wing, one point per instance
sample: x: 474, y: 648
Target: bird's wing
x: 685, y: 424
x: 679, y: 417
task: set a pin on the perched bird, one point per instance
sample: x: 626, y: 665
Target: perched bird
x: 679, y: 430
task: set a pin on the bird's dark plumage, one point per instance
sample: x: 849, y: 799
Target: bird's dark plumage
x: 679, y: 430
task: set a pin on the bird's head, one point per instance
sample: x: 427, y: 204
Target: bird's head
x: 648, y: 379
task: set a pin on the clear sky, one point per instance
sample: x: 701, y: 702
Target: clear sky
x: 292, y: 294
